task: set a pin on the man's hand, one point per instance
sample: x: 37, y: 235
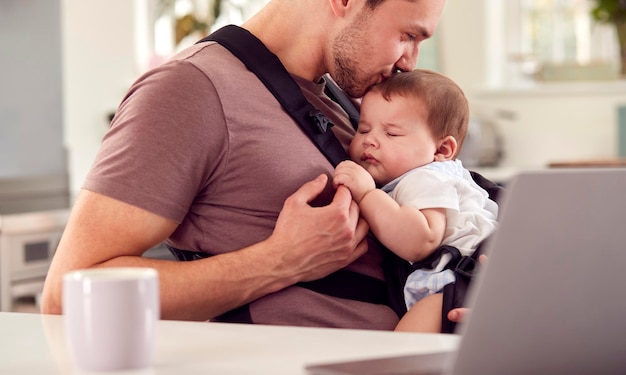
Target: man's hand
x: 317, y: 241
x: 355, y: 178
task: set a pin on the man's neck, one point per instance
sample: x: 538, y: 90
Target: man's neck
x: 287, y: 28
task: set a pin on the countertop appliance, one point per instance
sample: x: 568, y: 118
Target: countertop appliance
x: 483, y: 145
x: 33, y: 215
x: 27, y: 244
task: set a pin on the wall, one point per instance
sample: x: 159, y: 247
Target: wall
x: 99, y: 66
x: 462, y: 42
x: 31, y: 95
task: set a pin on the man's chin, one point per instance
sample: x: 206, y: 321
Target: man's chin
x: 360, y: 91
x: 356, y: 93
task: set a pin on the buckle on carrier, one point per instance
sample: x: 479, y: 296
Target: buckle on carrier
x: 320, y: 120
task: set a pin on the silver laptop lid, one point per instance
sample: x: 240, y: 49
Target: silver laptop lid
x: 552, y: 299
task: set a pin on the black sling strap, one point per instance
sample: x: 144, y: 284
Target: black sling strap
x: 268, y: 68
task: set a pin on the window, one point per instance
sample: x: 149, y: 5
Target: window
x: 167, y: 26
x: 550, y: 40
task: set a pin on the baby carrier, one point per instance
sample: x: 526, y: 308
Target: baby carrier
x: 344, y: 284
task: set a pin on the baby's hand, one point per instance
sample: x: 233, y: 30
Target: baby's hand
x: 355, y: 178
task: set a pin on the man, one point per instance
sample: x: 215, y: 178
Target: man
x: 201, y: 156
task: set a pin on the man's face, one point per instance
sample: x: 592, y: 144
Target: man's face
x: 381, y: 41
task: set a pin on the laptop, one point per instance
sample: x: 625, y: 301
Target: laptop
x: 552, y: 299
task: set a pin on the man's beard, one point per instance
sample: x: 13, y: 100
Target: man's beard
x: 346, y: 47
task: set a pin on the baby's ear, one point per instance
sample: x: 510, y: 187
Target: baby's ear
x: 447, y: 149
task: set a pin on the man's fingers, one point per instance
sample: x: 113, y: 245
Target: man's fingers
x: 483, y: 259
x: 362, y: 228
x: 310, y: 190
x: 342, y: 198
x: 459, y: 314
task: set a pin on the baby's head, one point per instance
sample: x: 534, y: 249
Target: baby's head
x: 447, y: 106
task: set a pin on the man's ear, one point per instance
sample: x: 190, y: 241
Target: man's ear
x: 340, y: 7
x: 447, y: 149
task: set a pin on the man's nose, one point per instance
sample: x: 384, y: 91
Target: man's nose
x: 408, y: 60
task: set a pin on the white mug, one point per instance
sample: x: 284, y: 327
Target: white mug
x: 110, y: 317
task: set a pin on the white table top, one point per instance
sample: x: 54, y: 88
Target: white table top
x: 35, y: 344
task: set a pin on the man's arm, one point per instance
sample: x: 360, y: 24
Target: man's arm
x: 307, y: 243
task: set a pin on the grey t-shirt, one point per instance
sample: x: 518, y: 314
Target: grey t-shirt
x: 201, y: 141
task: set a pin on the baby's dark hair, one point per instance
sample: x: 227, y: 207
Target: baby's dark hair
x: 447, y: 106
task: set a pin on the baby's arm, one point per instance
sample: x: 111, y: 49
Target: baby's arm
x: 410, y: 233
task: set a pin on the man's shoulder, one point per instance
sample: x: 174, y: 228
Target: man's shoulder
x: 210, y: 58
